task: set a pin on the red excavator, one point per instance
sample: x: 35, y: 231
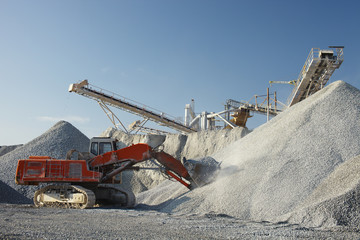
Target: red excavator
x: 84, y: 183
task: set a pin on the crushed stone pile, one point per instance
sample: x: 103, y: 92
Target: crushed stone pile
x: 204, y: 143
x: 54, y: 143
x: 299, y: 167
x: 125, y: 140
x: 6, y: 149
x: 335, y: 201
x: 191, y: 146
x: 10, y: 195
x: 194, y: 146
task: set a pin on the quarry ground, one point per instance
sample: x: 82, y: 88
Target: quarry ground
x: 19, y: 221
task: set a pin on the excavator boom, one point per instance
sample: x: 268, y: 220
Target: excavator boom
x: 129, y: 156
x: 137, y: 153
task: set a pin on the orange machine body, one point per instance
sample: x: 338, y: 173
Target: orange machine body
x: 38, y: 169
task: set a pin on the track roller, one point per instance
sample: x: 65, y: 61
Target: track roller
x: 64, y: 196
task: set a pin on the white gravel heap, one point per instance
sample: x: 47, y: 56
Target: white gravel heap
x: 299, y: 167
x: 6, y: 149
x: 54, y: 143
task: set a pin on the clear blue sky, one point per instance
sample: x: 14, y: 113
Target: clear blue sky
x: 157, y: 52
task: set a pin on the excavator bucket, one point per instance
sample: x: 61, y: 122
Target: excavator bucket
x: 172, y: 166
x: 202, y: 171
x: 197, y: 172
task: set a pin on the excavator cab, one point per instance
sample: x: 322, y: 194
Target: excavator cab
x: 101, y: 145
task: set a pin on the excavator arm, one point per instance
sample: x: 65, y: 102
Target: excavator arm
x: 112, y: 163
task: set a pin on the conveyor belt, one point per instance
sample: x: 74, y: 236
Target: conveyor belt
x: 317, y: 70
x: 114, y: 100
x: 259, y: 108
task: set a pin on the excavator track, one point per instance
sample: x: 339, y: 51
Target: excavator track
x: 64, y: 196
x: 115, y: 195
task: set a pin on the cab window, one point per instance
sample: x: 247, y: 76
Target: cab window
x: 104, y: 147
x: 94, y: 148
